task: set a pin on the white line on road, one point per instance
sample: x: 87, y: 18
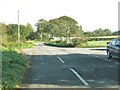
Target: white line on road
x: 57, y: 56
x: 60, y: 59
x: 107, y: 60
x: 52, y: 52
x: 83, y: 81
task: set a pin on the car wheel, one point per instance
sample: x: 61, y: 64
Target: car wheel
x: 109, y: 54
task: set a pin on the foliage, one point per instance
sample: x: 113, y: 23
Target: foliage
x: 98, y: 32
x: 116, y: 33
x: 59, y: 27
x: 77, y: 42
x: 60, y: 44
x: 15, y: 46
x: 14, y: 66
x: 41, y: 24
x: 3, y: 34
x: 10, y: 32
x: 32, y: 36
x: 91, y: 44
x: 67, y: 27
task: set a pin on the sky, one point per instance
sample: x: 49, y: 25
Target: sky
x: 90, y: 14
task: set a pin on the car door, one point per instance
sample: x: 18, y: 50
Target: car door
x: 112, y: 48
x: 117, y: 48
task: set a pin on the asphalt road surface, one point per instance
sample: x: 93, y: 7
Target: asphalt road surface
x: 53, y: 67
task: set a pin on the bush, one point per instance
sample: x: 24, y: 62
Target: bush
x: 77, y: 42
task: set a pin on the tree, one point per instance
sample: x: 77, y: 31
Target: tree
x: 107, y: 32
x: 3, y: 34
x: 60, y: 27
x: 12, y: 32
x: 67, y: 26
x: 32, y: 36
x: 116, y: 33
x: 41, y: 24
x: 101, y: 32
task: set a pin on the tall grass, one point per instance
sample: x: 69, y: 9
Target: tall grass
x: 14, y: 65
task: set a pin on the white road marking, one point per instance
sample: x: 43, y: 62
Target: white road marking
x: 83, y: 81
x: 60, y: 59
x: 107, y: 60
x: 57, y: 56
x: 52, y: 52
x: 117, y: 63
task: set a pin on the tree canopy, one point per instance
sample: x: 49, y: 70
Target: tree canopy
x: 60, y: 27
x: 9, y: 32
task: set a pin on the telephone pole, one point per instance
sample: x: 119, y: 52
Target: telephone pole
x: 18, y: 29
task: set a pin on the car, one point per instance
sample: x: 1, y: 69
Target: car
x: 113, y: 48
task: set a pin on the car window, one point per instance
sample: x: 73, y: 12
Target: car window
x: 118, y: 42
x: 113, y: 42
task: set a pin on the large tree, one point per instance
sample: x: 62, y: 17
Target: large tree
x: 59, y: 27
x: 66, y: 26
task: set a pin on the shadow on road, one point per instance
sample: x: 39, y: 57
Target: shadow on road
x: 99, y: 49
x: 48, y: 71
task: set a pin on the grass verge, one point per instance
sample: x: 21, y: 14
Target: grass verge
x: 59, y: 44
x: 91, y: 44
x: 14, y: 65
x: 88, y: 44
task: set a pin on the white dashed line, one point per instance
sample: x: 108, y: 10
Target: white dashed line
x: 57, y: 56
x: 107, y: 60
x: 116, y: 63
x: 52, y: 52
x: 60, y: 59
x: 80, y: 78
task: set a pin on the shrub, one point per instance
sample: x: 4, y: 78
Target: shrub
x: 77, y: 42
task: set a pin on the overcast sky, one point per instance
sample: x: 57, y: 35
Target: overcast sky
x: 90, y: 14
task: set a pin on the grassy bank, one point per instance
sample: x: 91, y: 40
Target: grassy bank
x: 91, y: 44
x: 14, y: 65
x: 88, y: 44
x: 59, y: 44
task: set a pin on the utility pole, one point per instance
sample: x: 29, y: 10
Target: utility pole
x: 18, y: 29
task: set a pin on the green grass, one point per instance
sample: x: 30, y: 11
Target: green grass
x: 94, y: 44
x: 15, y: 46
x: 14, y: 65
x: 88, y: 44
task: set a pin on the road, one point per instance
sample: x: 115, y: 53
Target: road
x: 53, y: 67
